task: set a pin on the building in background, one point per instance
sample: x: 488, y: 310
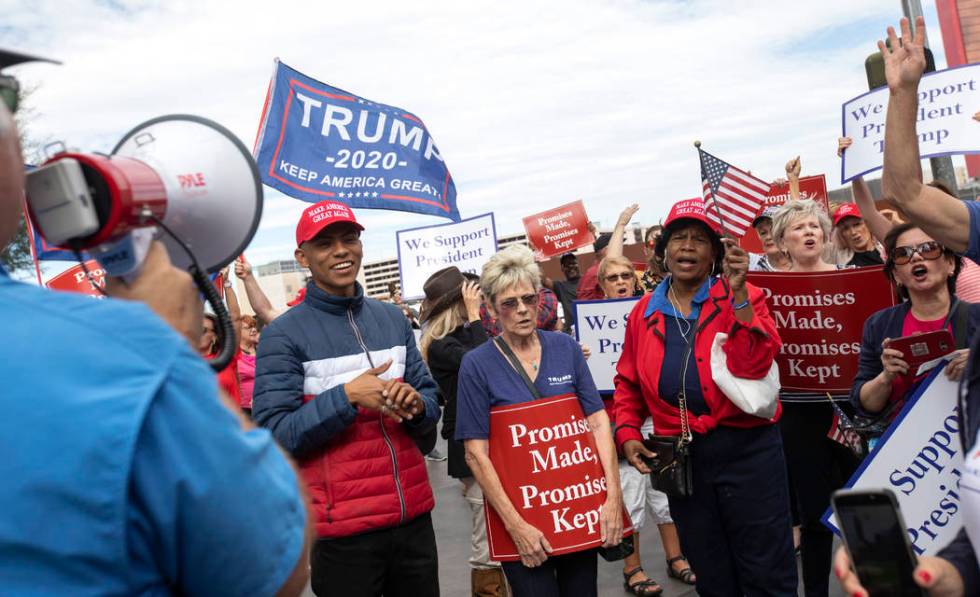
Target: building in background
x: 280, y: 281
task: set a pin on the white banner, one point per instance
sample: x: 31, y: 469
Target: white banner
x: 948, y: 99
x: 424, y: 251
x: 601, y: 325
x: 920, y: 460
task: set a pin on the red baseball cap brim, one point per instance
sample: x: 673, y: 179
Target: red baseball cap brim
x: 691, y: 209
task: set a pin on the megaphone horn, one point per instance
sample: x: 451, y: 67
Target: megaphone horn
x: 187, y: 172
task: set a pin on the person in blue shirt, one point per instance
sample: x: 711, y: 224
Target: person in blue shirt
x: 123, y: 472
x: 956, y: 225
x: 555, y: 365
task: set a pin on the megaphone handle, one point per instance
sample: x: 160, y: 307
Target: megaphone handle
x: 227, y: 351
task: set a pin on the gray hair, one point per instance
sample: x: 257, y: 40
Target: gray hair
x: 792, y: 211
x: 509, y: 267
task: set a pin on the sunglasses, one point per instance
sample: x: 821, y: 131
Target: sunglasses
x: 928, y: 250
x: 530, y: 301
x: 10, y: 92
x: 625, y: 276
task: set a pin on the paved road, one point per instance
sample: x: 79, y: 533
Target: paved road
x: 451, y: 519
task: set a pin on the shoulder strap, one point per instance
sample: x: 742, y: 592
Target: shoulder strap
x: 959, y: 318
x: 516, y: 363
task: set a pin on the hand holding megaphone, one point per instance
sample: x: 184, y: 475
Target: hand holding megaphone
x: 167, y: 291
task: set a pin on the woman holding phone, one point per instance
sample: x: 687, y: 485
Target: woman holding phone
x: 924, y: 273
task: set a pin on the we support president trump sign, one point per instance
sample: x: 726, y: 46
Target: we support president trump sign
x: 319, y: 142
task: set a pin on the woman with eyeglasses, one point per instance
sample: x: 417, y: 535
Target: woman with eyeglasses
x: 735, y: 523
x: 554, y: 365
x: 618, y: 280
x: 924, y: 272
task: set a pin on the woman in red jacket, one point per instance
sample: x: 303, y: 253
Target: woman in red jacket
x: 735, y: 524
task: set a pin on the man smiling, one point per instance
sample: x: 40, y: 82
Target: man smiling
x: 341, y: 384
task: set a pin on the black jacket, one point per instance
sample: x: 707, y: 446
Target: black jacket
x: 888, y: 323
x: 445, y: 357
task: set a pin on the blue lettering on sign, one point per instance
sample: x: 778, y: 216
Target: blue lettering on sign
x: 319, y: 142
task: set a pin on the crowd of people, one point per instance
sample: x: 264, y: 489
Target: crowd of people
x: 304, y: 462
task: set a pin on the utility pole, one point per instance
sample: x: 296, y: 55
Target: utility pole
x: 942, y: 168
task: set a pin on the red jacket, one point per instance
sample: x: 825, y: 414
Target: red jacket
x: 750, y: 350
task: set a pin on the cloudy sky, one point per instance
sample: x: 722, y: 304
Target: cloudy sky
x: 532, y: 103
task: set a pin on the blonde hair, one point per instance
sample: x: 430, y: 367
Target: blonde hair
x: 440, y: 326
x: 792, y: 211
x: 608, y: 262
x: 509, y: 267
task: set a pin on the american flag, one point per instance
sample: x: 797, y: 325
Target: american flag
x: 728, y: 192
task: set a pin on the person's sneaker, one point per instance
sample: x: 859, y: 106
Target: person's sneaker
x: 435, y: 455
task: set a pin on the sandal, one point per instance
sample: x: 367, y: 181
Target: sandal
x: 643, y: 588
x: 686, y: 575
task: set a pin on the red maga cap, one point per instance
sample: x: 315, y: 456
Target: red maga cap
x: 847, y: 210
x: 320, y: 215
x: 691, y: 209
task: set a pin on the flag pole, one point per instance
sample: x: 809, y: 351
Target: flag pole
x: 714, y: 202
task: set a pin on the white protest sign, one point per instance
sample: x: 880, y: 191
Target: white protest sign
x: 601, y: 325
x: 920, y: 460
x: 948, y: 99
x: 422, y: 252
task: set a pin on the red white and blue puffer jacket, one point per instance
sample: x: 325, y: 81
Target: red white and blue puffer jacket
x: 363, y: 471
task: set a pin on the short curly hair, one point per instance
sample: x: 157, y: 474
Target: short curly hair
x: 508, y: 267
x: 794, y: 210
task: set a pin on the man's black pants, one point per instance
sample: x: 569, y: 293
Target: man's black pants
x: 395, y: 562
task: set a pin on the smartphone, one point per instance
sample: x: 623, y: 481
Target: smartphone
x: 923, y: 348
x: 876, y: 537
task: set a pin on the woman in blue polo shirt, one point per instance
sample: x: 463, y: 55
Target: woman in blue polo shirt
x: 555, y: 365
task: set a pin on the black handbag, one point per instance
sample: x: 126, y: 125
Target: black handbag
x: 671, y: 469
x: 625, y: 547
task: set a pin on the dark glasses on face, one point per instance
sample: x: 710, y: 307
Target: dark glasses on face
x: 625, y: 276
x: 928, y: 250
x: 10, y: 92
x: 529, y: 300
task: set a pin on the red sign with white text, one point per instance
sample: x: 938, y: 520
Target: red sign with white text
x: 820, y: 317
x: 548, y: 464
x: 74, y: 279
x: 811, y: 187
x: 558, y: 230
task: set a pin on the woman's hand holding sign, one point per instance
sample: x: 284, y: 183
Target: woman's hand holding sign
x: 531, y: 544
x: 957, y: 364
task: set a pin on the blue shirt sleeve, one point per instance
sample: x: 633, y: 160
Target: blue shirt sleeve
x: 588, y: 395
x: 472, y: 400
x: 214, y: 508
x: 973, y: 248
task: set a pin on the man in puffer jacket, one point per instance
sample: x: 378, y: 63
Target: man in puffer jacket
x: 341, y: 385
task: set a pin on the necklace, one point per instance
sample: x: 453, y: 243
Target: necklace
x: 532, y: 362
x: 675, y: 303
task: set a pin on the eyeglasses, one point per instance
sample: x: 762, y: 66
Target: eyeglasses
x: 529, y: 300
x: 10, y: 92
x: 928, y: 250
x: 625, y: 276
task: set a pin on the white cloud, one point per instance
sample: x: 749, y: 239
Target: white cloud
x: 532, y: 104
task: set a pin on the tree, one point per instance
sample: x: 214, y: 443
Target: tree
x: 17, y: 255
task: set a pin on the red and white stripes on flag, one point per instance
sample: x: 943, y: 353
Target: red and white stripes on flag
x: 732, y: 198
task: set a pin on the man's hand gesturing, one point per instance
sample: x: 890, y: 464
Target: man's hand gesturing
x: 387, y: 397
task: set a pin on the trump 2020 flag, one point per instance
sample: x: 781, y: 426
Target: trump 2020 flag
x: 318, y: 142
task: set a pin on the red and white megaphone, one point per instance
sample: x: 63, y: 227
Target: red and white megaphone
x: 186, y: 174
